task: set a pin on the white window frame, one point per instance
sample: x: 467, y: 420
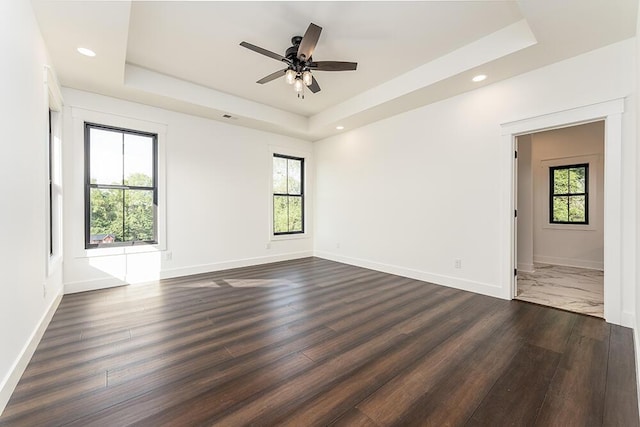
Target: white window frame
x: 81, y: 116
x: 53, y: 227
x: 307, y: 226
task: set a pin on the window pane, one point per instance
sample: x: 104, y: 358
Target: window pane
x: 139, y: 214
x: 560, y: 181
x: 577, y: 209
x: 138, y: 160
x: 106, y: 216
x: 295, y: 213
x: 560, y: 209
x: 279, y: 175
x: 280, y: 214
x: 295, y: 176
x: 106, y: 157
x: 577, y: 180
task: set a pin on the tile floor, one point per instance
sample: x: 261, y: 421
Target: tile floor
x: 574, y: 289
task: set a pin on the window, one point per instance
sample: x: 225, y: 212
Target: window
x: 53, y: 176
x: 50, y: 172
x: 288, y: 195
x: 121, y: 191
x: 569, y: 194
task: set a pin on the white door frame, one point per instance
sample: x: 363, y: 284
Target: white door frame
x: 611, y: 113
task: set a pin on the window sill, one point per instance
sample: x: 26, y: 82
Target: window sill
x: 121, y: 250
x: 276, y: 238
x: 570, y: 227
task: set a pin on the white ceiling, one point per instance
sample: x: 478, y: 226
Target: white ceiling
x: 185, y: 55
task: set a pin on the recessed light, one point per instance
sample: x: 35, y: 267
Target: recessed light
x: 339, y: 127
x: 479, y: 78
x: 86, y: 52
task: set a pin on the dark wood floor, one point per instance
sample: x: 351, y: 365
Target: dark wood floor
x: 314, y: 342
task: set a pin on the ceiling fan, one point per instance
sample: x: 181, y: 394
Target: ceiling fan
x: 299, y: 62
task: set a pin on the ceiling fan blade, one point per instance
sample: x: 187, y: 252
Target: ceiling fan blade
x: 264, y: 52
x: 333, y: 66
x: 314, y: 86
x: 272, y: 76
x: 309, y: 41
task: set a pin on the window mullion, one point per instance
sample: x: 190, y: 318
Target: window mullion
x: 124, y: 203
x: 287, y: 176
x: 288, y: 202
x: 288, y: 214
x: 123, y: 216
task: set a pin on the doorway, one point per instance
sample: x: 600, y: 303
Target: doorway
x: 611, y: 113
x: 560, y: 218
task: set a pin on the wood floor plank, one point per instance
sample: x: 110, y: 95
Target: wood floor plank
x: 315, y: 342
x: 136, y: 410
x: 41, y: 363
x: 517, y: 396
x: 580, y: 378
x: 450, y: 404
x: 389, y: 403
x: 552, y: 329
x: 149, y: 351
x: 254, y: 408
x: 354, y: 418
x: 577, y: 384
x: 329, y: 402
x: 620, y: 404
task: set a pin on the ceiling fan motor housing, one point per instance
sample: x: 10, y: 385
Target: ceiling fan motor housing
x: 292, y: 55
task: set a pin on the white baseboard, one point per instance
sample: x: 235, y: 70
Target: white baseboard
x: 226, y: 265
x: 10, y: 382
x: 92, y: 285
x: 95, y: 284
x: 636, y: 347
x: 628, y: 320
x: 526, y: 268
x: 438, y: 279
x: 568, y: 262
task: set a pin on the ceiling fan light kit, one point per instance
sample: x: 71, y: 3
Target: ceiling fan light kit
x: 300, y: 63
x: 307, y: 78
x: 290, y: 76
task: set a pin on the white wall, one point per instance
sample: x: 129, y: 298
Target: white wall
x: 217, y: 197
x: 636, y: 325
x: 525, y: 205
x: 23, y: 170
x: 561, y: 244
x: 412, y: 193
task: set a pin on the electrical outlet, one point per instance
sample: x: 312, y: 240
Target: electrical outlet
x: 44, y: 290
x: 168, y: 256
x: 457, y: 263
x: 338, y: 245
x: 268, y: 245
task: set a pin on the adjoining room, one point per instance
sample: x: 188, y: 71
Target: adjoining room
x: 560, y: 234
